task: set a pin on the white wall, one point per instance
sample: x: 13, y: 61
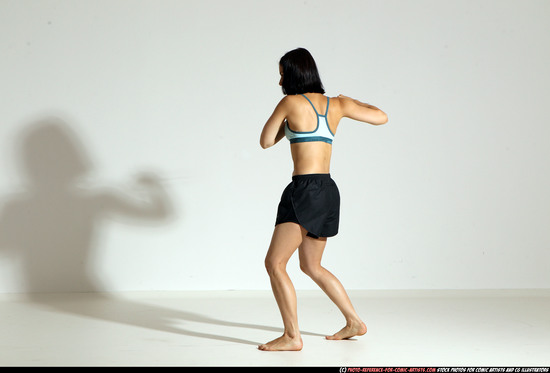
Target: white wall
x: 451, y: 193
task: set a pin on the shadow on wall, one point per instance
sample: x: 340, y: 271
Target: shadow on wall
x: 50, y: 227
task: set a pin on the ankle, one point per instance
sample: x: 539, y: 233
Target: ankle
x: 292, y: 334
x: 353, y: 322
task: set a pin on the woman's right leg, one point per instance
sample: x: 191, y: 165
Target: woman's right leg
x: 311, y: 252
x: 285, y: 241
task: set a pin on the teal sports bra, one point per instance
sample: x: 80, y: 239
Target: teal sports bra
x: 321, y: 133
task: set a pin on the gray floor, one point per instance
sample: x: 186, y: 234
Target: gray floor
x: 405, y: 328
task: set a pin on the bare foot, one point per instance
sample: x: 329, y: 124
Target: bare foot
x: 349, y: 331
x: 283, y: 343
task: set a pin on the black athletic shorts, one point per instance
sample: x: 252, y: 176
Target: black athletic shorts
x: 313, y: 201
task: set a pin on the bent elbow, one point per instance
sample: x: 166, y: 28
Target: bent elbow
x: 265, y: 144
x: 383, y: 119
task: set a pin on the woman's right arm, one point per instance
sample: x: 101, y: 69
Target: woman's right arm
x: 361, y: 111
x: 273, y: 130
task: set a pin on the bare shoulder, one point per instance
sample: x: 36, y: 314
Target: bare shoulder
x: 291, y: 100
x: 337, y: 105
x: 287, y: 101
x: 290, y: 103
x: 341, y: 101
x: 337, y: 100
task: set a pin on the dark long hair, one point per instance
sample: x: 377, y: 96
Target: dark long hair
x: 300, y: 74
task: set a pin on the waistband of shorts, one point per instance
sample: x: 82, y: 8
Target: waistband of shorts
x: 311, y: 177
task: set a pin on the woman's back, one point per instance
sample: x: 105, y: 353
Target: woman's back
x: 311, y: 128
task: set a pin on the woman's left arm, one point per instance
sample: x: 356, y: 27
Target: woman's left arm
x: 274, y: 128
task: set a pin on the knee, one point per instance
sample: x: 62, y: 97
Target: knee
x: 312, y: 270
x: 274, y: 266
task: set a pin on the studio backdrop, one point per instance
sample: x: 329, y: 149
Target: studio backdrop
x: 130, y: 156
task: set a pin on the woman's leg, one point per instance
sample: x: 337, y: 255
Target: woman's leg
x: 286, y: 239
x: 311, y: 252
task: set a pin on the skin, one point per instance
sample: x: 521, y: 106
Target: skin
x: 308, y: 158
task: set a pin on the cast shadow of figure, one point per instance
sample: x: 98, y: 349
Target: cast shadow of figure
x: 51, y: 225
x: 50, y: 229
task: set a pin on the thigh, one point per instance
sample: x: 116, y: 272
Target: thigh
x: 286, y: 239
x: 311, y: 250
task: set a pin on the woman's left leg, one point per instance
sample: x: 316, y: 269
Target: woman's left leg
x: 285, y: 241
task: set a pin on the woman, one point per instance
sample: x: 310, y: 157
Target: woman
x: 309, y: 209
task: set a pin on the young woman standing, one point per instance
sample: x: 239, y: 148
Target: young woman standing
x: 309, y: 209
